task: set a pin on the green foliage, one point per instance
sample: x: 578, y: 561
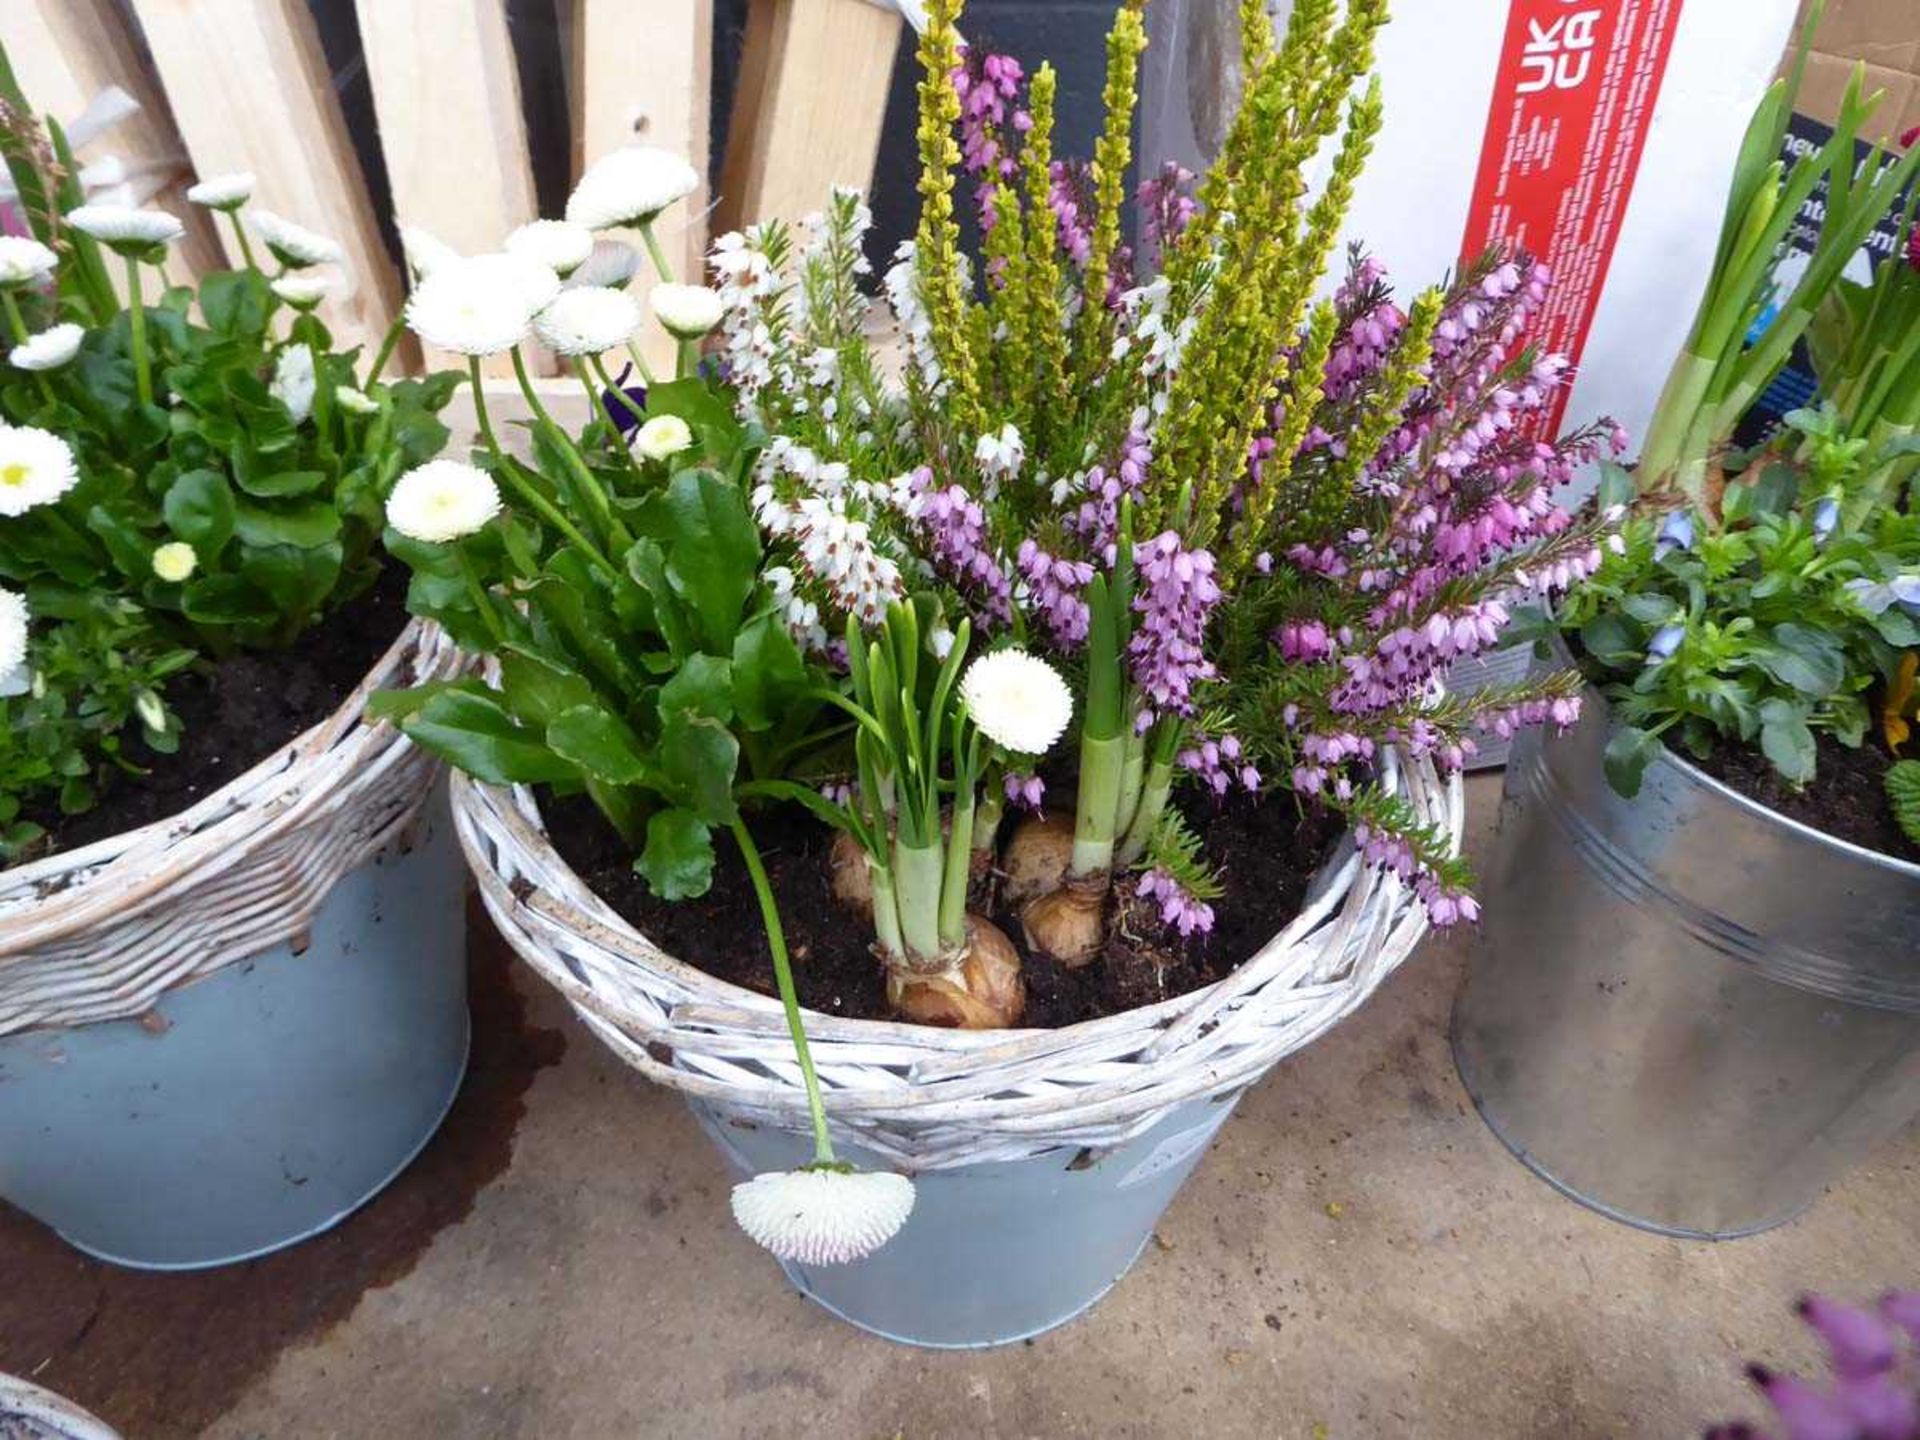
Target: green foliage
x: 1903, y: 793
x: 1176, y: 848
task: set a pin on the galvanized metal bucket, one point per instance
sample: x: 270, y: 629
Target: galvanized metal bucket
x: 261, y: 1104
x: 993, y: 1253
x: 1686, y: 1011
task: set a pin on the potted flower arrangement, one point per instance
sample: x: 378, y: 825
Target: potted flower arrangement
x: 989, y: 639
x: 232, y: 996
x: 1732, y: 1021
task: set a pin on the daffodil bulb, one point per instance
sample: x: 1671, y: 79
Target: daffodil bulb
x: 48, y: 350
x: 612, y: 264
x: 174, y: 561
x: 293, y: 381
x: 295, y: 246
x: 1018, y: 700
x: 662, y: 436
x: 355, y: 401
x: 688, y: 311
x: 141, y: 234
x: 24, y: 261
x: 425, y: 251
x: 823, y: 1215
x: 223, y: 192
x: 587, y: 321
x: 560, y: 245
x: 36, y: 468
x: 470, y: 307
x: 303, y: 292
x: 14, y: 616
x: 630, y: 186
x: 442, y: 500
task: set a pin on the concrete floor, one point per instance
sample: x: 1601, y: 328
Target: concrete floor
x: 1357, y: 1257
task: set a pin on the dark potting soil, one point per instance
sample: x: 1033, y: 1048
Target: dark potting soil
x: 1847, y: 799
x: 1265, y: 850
x: 237, y: 711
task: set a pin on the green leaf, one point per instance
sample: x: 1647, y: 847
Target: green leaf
x: 713, y: 552
x: 698, y: 756
x: 1787, y: 741
x: 1613, y: 639
x: 199, y: 508
x: 296, y: 578
x: 283, y: 482
x: 1629, y: 751
x: 678, y: 860
x: 769, y: 673
x: 539, y: 689
x: 235, y: 302
x: 468, y: 728
x: 1616, y: 485
x: 647, y: 566
x: 1809, y: 660
x: 600, y: 743
x: 306, y: 523
x: 703, y: 686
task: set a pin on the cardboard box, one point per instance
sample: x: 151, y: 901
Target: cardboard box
x: 1885, y: 34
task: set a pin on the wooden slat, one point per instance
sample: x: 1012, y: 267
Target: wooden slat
x: 447, y: 97
x: 250, y: 90
x: 643, y: 75
x: 64, y: 53
x: 809, y: 109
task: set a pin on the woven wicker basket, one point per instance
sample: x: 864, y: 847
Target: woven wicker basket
x: 29, y: 1413
x: 931, y: 1099
x: 102, y: 932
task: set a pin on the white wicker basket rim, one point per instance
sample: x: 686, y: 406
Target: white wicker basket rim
x: 924, y: 1098
x: 102, y: 931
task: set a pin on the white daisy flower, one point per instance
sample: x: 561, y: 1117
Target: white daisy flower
x: 425, y: 252
x: 293, y: 381
x: 471, y: 307
x: 536, y: 283
x: 36, y: 468
x: 1018, y: 701
x: 48, y: 350
x: 174, y: 561
x: 587, y: 321
x: 223, y: 192
x: 293, y: 245
x: 358, y: 402
x: 303, y: 292
x: 688, y: 311
x: 662, y: 436
x: 630, y: 187
x: 125, y: 230
x: 14, y: 616
x: 442, y: 500
x: 612, y: 264
x: 24, y: 260
x: 560, y: 245
x: 823, y: 1216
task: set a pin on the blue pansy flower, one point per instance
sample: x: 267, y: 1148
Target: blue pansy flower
x: 1826, y: 516
x: 1665, y: 641
x: 1676, y: 533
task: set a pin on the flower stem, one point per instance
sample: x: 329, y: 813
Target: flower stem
x: 789, y: 998
x: 137, y: 320
x: 526, y: 386
x: 626, y: 400
x: 480, y: 416
x: 640, y: 363
x: 689, y: 359
x: 655, y: 253
x: 919, y: 872
x: 388, y: 344
x: 1153, y: 803
x: 240, y: 234
x: 482, y: 601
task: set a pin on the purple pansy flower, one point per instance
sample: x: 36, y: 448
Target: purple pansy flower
x: 618, y: 415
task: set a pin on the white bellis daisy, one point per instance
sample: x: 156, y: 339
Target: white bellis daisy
x: 630, y: 186
x: 587, y: 321
x: 442, y: 500
x: 1018, y: 701
x: 823, y: 1215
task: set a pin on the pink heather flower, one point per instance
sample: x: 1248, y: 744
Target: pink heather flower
x: 1219, y: 763
x: 956, y: 529
x: 1176, y: 594
x: 988, y: 86
x: 1055, y: 587
x: 1178, y: 909
x: 1027, y: 790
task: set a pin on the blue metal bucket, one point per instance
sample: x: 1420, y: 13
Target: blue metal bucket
x: 265, y: 1102
x: 999, y: 1252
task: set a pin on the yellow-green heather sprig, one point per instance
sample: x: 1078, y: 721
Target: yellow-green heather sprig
x: 1112, y: 153
x: 1048, y: 314
x: 1404, y: 370
x: 1182, y: 264
x: 1256, y: 37
x: 1010, y: 329
x: 1305, y: 393
x: 937, y: 244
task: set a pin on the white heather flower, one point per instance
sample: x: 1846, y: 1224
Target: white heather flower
x: 175, y: 561
x: 293, y: 381
x: 425, y: 251
x: 357, y: 402
x: 1018, y: 701
x: 688, y: 311
x: 612, y: 264
x: 48, y: 350
x: 560, y: 245
x: 303, y: 292
x: 24, y: 261
x: 468, y: 307
x: 662, y: 436
x: 442, y: 500
x: 823, y: 1216
x: 1000, y: 456
x: 124, y: 228
x: 630, y: 187
x: 36, y: 468
x: 293, y: 245
x: 223, y: 192
x: 14, y: 616
x: 587, y: 321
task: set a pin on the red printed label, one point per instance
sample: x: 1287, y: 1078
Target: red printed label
x: 1571, y: 106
